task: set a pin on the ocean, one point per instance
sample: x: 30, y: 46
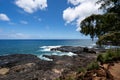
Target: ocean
x: 41, y: 47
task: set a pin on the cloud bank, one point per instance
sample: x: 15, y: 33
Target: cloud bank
x: 31, y: 6
x: 4, y: 17
x: 81, y: 10
x: 18, y: 36
x: 14, y: 36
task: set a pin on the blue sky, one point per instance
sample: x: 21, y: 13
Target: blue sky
x: 44, y: 19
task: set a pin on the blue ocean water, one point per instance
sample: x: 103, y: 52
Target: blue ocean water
x: 39, y: 47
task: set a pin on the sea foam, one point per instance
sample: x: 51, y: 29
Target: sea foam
x: 48, y: 48
x: 55, y: 53
x: 64, y: 53
x: 44, y: 58
x: 47, y: 51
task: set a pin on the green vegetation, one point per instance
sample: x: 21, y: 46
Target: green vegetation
x: 81, y: 69
x: 93, y: 65
x: 57, y: 79
x: 110, y: 55
x: 106, y: 26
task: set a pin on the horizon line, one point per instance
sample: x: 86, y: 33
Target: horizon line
x: 43, y: 39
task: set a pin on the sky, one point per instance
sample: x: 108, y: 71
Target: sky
x: 44, y: 19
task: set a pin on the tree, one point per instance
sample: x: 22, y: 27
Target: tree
x: 110, y: 5
x: 107, y: 26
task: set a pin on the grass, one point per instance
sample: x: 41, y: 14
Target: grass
x: 109, y: 56
x: 93, y: 65
x: 81, y: 69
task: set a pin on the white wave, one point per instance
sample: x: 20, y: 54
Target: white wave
x: 92, y: 45
x: 43, y: 46
x: 44, y: 58
x: 48, y: 48
x: 57, y: 54
x: 64, y: 53
x: 45, y: 49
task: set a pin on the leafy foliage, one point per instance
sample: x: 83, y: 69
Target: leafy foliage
x: 81, y: 69
x: 93, y: 65
x: 107, y: 26
x: 110, y: 38
x: 110, y: 5
x: 109, y: 56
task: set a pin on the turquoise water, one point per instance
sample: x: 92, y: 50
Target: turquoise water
x: 39, y: 47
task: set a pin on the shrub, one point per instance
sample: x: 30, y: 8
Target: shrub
x: 110, y: 55
x: 100, y: 58
x: 81, y: 69
x: 117, y: 53
x: 93, y: 65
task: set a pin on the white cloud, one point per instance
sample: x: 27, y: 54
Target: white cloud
x: 4, y: 17
x: 17, y: 36
x: 75, y: 2
x: 23, y: 22
x: 14, y: 36
x: 81, y: 9
x: 31, y: 6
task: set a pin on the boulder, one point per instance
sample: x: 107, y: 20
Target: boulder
x: 4, y: 71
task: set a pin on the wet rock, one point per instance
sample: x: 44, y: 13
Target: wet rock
x: 68, y: 49
x: 77, y: 50
x: 34, y: 78
x: 85, y: 49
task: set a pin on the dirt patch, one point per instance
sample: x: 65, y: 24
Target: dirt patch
x: 115, y: 71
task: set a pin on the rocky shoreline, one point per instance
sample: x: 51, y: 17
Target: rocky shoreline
x: 78, y: 50
x: 30, y: 67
